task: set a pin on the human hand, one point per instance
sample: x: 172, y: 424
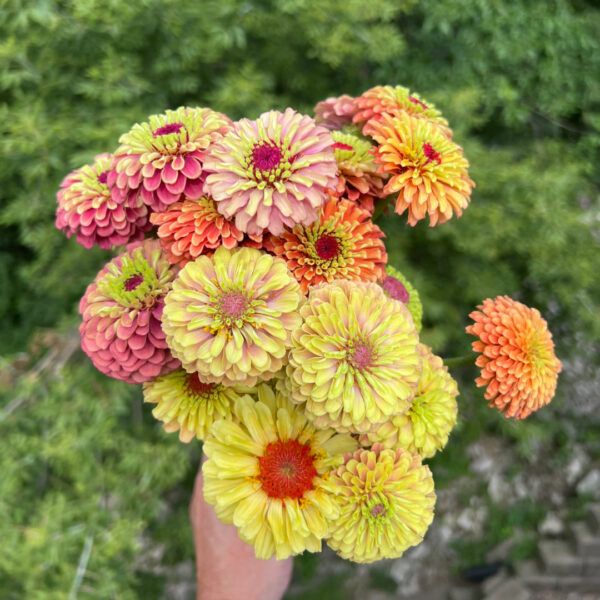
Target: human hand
x: 226, y: 568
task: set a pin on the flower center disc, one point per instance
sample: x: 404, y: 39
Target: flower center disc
x: 362, y: 356
x: 327, y: 247
x: 167, y: 129
x: 431, y: 154
x: 233, y: 305
x: 103, y: 176
x: 378, y: 509
x: 396, y: 289
x: 266, y: 156
x: 198, y: 387
x: 287, y: 469
x: 132, y: 282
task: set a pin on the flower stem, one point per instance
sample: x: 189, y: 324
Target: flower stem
x: 380, y: 206
x: 460, y: 361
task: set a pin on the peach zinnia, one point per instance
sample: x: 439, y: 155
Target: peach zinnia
x: 357, y: 170
x: 517, y: 361
x: 342, y: 244
x: 190, y: 228
x: 385, y: 99
x: 428, y: 171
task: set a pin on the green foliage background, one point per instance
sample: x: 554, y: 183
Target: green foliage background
x: 81, y: 462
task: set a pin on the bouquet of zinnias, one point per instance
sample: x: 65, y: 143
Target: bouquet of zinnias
x: 254, y: 301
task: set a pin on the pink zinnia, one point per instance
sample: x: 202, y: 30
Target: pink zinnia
x: 272, y: 173
x: 334, y: 113
x: 86, y: 209
x: 161, y: 160
x: 122, y: 309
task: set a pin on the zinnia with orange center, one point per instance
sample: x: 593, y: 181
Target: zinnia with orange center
x: 428, y: 171
x: 342, y: 244
x: 517, y: 361
x: 193, y: 227
x: 265, y: 474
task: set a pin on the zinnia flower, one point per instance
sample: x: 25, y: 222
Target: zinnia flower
x: 190, y: 228
x: 230, y: 316
x: 334, y: 113
x: 189, y: 405
x: 272, y: 172
x: 162, y: 160
x: 358, y: 177
x: 396, y: 286
x: 354, y: 361
x: 386, y: 501
x: 396, y: 100
x: 517, y: 361
x: 121, y: 330
x: 265, y: 475
x: 86, y: 209
x: 426, y: 425
x: 427, y: 169
x: 342, y: 244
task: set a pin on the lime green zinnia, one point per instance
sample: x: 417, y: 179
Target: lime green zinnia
x: 386, y: 500
x: 426, y: 426
x: 354, y: 360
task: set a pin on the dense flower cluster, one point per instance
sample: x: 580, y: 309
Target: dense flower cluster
x: 262, y: 317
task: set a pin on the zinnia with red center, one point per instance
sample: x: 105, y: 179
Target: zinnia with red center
x: 87, y: 210
x: 190, y: 228
x: 389, y: 100
x: 161, y: 160
x: 265, y: 475
x: 272, y: 173
x: 354, y: 361
x: 342, y: 244
x: 230, y: 316
x: 122, y: 310
x: 427, y: 170
x: 189, y: 405
x: 358, y: 180
x: 517, y: 361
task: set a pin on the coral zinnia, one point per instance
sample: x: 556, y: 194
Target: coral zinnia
x: 190, y: 228
x: 272, y: 172
x: 86, y: 209
x: 354, y: 361
x: 427, y: 169
x: 425, y: 427
x: 358, y: 177
x: 334, y: 113
x: 386, y: 499
x: 395, y: 100
x: 121, y: 330
x: 517, y: 361
x: 161, y: 160
x: 265, y: 475
x: 229, y: 317
x: 342, y: 244
x: 396, y: 286
x: 189, y: 405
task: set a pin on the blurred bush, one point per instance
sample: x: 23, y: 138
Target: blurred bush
x: 84, y: 470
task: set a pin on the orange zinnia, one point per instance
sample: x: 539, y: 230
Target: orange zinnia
x: 342, y: 244
x: 427, y: 169
x: 385, y: 99
x: 190, y: 228
x: 517, y: 360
